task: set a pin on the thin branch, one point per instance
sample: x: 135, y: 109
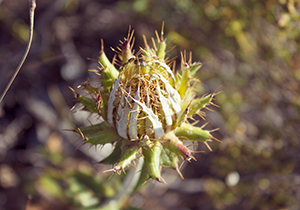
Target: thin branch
x: 32, y: 6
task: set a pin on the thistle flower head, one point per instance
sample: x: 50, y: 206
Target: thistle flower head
x: 145, y: 107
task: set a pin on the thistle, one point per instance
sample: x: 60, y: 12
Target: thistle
x: 145, y: 108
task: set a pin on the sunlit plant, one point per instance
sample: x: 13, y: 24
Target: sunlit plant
x: 145, y: 108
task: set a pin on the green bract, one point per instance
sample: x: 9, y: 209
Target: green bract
x: 145, y: 107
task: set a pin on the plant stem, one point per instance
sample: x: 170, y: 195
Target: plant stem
x: 129, y: 183
x: 32, y: 6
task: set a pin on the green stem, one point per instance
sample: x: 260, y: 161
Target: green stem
x: 127, y: 188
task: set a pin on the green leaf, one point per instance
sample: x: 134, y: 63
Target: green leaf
x: 115, y: 156
x: 88, y: 103
x: 161, y: 48
x: 152, y: 160
x: 128, y: 155
x: 184, y: 81
x: 171, y: 141
x: 195, y: 67
x: 109, y: 74
x: 101, y: 133
x: 193, y: 133
x: 168, y: 158
x: 199, y: 103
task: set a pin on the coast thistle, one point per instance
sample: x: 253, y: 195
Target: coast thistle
x: 145, y: 108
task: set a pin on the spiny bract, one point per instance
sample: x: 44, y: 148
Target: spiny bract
x: 145, y: 107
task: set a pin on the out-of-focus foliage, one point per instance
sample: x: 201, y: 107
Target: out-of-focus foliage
x: 252, y: 50
x: 74, y: 183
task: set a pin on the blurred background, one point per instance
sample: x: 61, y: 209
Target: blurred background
x: 251, y: 49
